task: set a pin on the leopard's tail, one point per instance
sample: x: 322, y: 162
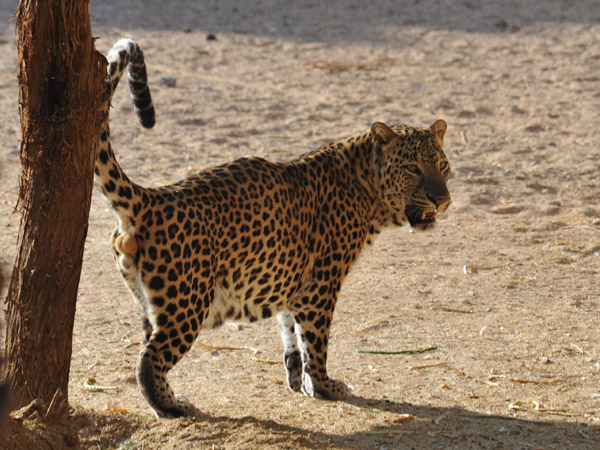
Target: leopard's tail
x: 123, y: 195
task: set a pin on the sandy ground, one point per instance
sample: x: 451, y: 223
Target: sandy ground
x: 506, y: 287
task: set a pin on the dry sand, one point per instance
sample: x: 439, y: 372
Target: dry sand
x: 506, y: 287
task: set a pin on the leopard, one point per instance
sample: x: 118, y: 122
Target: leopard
x: 253, y: 239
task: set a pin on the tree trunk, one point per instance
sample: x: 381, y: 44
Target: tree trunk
x: 61, y: 92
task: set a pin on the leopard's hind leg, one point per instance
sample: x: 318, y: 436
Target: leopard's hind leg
x: 171, y: 337
x: 153, y: 365
x: 171, y: 321
x: 175, y: 323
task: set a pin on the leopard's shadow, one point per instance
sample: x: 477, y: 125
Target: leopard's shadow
x: 426, y: 426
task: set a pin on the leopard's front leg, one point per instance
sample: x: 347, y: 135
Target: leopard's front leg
x: 312, y: 331
x: 291, y: 355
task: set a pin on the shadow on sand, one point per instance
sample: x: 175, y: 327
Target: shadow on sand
x: 337, y: 21
x: 430, y: 427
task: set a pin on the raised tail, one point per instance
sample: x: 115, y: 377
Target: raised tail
x: 123, y: 195
x: 127, y: 53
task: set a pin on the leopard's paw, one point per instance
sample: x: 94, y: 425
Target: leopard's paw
x: 183, y: 408
x: 327, y: 389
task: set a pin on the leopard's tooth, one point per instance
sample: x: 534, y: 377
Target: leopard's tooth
x: 429, y: 215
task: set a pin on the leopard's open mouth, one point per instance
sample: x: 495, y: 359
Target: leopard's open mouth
x: 428, y: 216
x: 419, y: 218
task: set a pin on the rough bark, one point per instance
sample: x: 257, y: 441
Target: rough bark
x: 60, y: 78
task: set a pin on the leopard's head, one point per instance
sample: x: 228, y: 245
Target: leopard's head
x: 410, y: 172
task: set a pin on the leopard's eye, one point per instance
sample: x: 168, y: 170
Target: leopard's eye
x: 443, y: 166
x: 412, y: 168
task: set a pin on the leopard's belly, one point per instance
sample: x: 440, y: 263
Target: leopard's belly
x: 260, y: 295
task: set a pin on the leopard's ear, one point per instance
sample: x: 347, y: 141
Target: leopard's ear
x: 382, y: 134
x: 438, y: 128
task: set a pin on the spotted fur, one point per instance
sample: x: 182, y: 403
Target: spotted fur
x: 253, y: 239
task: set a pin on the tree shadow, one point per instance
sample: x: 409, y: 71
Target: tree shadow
x: 339, y: 20
x: 429, y: 427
